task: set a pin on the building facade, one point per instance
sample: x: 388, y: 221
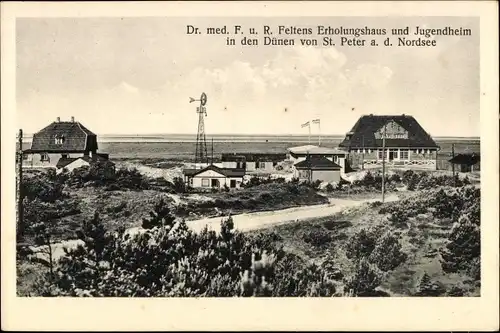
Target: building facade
x: 252, y: 162
x: 407, y: 144
x: 60, y: 139
x: 316, y: 168
x: 213, y: 176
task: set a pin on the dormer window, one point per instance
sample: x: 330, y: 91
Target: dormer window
x: 59, y: 139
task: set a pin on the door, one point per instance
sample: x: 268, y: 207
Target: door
x: 392, y: 155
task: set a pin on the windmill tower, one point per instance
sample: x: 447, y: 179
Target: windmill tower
x: 201, y: 155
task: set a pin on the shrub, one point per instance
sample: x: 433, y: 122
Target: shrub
x: 179, y: 185
x: 427, y: 287
x: 317, y: 237
x: 388, y: 254
x: 329, y: 188
x: 366, y: 278
x: 159, y: 217
x: 463, y: 248
x: 43, y: 187
x: 178, y: 262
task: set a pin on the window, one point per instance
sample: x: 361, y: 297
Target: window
x: 44, y: 157
x: 379, y: 153
x: 205, y: 182
x: 59, y: 139
x: 261, y: 165
x: 404, y: 154
x: 233, y: 183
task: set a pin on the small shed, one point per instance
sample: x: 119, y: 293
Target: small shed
x: 466, y: 162
x: 213, y: 176
x: 315, y: 168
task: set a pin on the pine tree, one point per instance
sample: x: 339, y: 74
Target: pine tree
x: 160, y: 216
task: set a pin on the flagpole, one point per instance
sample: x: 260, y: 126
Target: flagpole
x: 309, y: 125
x: 319, y: 133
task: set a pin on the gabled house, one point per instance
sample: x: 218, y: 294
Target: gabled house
x: 60, y: 139
x: 252, y: 162
x: 213, y: 176
x: 315, y: 168
x: 407, y: 144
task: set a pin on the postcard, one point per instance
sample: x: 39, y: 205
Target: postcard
x: 250, y: 166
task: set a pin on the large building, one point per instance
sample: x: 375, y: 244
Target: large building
x: 60, y: 139
x: 252, y: 162
x: 407, y: 144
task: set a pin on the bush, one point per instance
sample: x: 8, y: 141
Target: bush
x: 329, y: 188
x: 179, y: 185
x: 362, y: 244
x: 388, y: 254
x: 159, y: 217
x: 463, y: 249
x: 317, y: 237
x: 43, y: 187
x: 178, y: 262
x: 427, y: 287
x: 366, y: 278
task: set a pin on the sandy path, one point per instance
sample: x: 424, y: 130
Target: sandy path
x: 252, y: 221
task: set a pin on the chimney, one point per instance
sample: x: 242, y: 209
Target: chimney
x: 72, y: 119
x: 58, y: 119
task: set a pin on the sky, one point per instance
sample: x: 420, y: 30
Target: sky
x: 135, y: 76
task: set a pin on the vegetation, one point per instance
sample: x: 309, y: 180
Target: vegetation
x: 178, y: 262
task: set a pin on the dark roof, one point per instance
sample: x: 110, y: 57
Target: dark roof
x: 317, y: 163
x: 253, y: 157
x: 363, y: 133
x: 64, y: 161
x: 77, y: 138
x: 228, y: 172
x: 468, y: 159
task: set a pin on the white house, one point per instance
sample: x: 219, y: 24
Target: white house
x: 213, y: 176
x: 300, y: 153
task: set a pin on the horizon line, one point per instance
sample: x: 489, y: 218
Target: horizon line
x: 253, y: 134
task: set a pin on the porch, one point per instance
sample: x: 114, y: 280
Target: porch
x: 423, y: 164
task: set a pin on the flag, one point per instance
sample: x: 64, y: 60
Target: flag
x: 316, y: 121
x: 305, y: 125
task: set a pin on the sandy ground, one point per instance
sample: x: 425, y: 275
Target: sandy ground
x: 248, y: 221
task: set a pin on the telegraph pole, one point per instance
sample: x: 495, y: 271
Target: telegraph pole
x: 19, y: 198
x: 383, y: 165
x: 363, y: 153
x: 453, y: 162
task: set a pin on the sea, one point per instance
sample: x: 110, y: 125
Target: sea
x: 183, y: 146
